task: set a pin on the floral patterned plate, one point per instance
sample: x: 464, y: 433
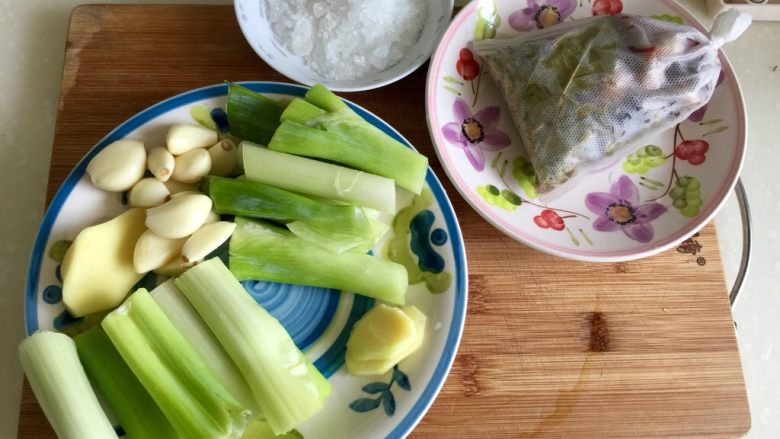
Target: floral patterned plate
x: 663, y: 192
x: 318, y: 319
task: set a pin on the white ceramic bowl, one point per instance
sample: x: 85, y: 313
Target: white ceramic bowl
x: 254, y: 24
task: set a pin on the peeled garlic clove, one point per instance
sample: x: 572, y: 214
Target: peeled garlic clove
x: 175, y: 268
x: 179, y: 217
x: 206, y: 239
x: 179, y: 194
x: 191, y: 166
x: 148, y: 192
x: 153, y: 251
x: 224, y: 158
x: 160, y: 163
x: 182, y: 138
x: 213, y: 217
x: 118, y: 166
x: 174, y: 187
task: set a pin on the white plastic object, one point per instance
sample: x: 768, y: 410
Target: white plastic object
x: 767, y: 10
x: 728, y: 26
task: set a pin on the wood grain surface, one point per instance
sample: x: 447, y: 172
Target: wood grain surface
x: 551, y: 348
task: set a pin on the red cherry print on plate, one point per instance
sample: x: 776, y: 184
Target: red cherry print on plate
x: 541, y: 222
x: 696, y: 159
x: 692, y: 150
x: 606, y: 7
x: 467, y: 68
x: 553, y: 219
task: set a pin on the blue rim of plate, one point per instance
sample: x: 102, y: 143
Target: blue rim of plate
x: 441, y: 371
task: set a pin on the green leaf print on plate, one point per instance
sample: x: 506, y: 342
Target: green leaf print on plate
x: 493, y: 196
x: 670, y: 18
x: 412, y: 245
x: 488, y: 21
x: 524, y: 173
x: 202, y: 115
x: 644, y: 158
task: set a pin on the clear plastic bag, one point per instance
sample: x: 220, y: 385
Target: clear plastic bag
x: 580, y: 92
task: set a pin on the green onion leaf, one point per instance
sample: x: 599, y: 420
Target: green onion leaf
x: 252, y: 116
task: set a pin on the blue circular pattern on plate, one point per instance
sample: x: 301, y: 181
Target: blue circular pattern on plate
x: 439, y: 237
x: 52, y: 294
x: 414, y: 415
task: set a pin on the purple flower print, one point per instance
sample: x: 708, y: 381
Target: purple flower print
x: 618, y: 209
x: 541, y: 13
x: 475, y: 134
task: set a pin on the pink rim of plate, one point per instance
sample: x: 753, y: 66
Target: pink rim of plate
x: 515, y: 231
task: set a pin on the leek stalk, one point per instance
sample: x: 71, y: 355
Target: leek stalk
x: 261, y: 251
x: 351, y: 141
x: 320, y: 96
x: 318, y: 179
x: 336, y: 227
x: 300, y: 111
x: 194, y: 329
x: 136, y: 411
x: 52, y: 366
x: 252, y: 116
x: 184, y: 388
x: 280, y: 376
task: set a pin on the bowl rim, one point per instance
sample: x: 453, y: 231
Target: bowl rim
x: 692, y: 226
x: 428, y: 49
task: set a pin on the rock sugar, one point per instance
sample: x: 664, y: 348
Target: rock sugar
x: 347, y: 39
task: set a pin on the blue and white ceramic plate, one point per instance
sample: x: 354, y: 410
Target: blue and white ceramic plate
x: 319, y: 320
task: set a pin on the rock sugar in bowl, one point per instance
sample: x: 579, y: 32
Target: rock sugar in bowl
x: 347, y: 45
x: 346, y: 39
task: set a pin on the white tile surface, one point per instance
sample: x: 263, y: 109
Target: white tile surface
x: 32, y: 40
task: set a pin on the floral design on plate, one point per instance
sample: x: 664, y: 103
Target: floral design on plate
x: 413, y: 241
x: 385, y: 392
x: 606, y: 7
x: 476, y: 133
x: 619, y: 209
x: 539, y: 14
x: 691, y: 181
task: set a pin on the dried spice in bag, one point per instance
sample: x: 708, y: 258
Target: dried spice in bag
x: 580, y: 92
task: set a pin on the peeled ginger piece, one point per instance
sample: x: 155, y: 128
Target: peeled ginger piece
x: 382, y: 338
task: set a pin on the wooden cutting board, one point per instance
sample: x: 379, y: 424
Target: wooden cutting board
x: 551, y: 348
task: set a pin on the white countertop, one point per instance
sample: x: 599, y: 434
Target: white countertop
x: 32, y: 41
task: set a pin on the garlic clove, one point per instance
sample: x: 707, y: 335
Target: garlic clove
x: 179, y: 217
x: 118, y: 166
x: 175, y: 187
x: 224, y: 158
x: 206, y: 239
x: 191, y: 166
x: 179, y: 194
x: 183, y: 137
x: 176, y: 267
x: 213, y: 217
x: 153, y: 251
x: 160, y: 163
x: 148, y: 192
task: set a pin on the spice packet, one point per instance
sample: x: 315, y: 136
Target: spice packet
x: 580, y: 92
